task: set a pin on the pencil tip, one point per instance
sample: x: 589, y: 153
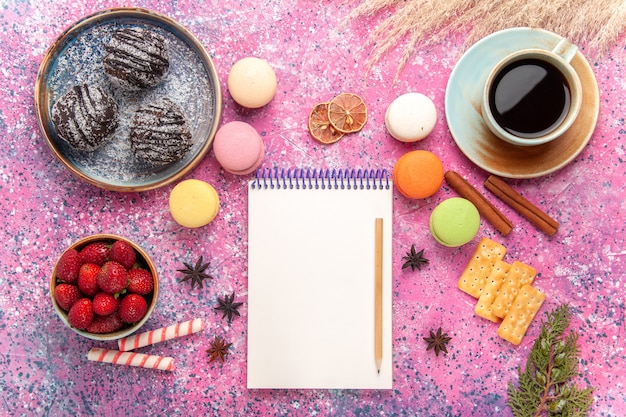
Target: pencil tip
x: 379, y: 371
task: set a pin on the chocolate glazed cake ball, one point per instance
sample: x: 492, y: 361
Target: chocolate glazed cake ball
x: 159, y: 133
x: 136, y: 58
x: 85, y: 117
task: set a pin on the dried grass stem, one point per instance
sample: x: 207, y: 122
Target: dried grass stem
x: 595, y: 24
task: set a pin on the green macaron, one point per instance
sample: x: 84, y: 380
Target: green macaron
x: 454, y: 222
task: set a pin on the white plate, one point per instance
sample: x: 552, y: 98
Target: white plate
x: 463, y: 113
x: 192, y: 82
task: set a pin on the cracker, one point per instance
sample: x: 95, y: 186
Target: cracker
x: 521, y: 314
x: 496, y: 277
x: 519, y: 275
x: 474, y: 277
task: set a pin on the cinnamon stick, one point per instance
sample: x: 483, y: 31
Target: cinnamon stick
x: 485, y: 208
x: 527, y: 209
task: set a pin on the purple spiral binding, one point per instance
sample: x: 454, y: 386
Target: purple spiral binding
x: 329, y: 178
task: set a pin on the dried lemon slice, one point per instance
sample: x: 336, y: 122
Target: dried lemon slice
x: 319, y: 126
x: 347, y: 113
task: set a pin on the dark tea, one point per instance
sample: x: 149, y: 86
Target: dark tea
x: 529, y: 98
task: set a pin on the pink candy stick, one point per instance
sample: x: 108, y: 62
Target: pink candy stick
x: 160, y: 335
x: 131, y: 358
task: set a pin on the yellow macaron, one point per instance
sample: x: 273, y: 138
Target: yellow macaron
x: 194, y: 203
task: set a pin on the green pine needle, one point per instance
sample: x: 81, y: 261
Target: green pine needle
x: 544, y: 388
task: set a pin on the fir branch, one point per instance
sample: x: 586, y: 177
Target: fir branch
x: 544, y: 387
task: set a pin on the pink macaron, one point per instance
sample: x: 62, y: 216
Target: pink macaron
x: 238, y: 148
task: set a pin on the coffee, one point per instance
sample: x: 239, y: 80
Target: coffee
x: 529, y: 98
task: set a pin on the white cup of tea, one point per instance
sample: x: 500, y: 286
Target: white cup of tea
x: 532, y: 96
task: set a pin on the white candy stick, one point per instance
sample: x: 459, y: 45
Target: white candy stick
x: 160, y: 335
x: 162, y: 363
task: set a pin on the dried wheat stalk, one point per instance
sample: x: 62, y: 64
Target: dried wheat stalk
x: 596, y: 24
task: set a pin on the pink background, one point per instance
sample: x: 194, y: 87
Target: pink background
x: 43, y: 366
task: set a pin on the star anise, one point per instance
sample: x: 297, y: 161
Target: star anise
x: 218, y: 349
x: 228, y: 307
x: 414, y: 259
x: 195, y: 273
x: 437, y: 341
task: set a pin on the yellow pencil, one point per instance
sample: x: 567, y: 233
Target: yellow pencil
x: 378, y: 298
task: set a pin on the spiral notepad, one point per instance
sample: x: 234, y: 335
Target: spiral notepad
x: 311, y: 278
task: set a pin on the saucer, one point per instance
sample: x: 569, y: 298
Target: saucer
x: 473, y: 137
x: 192, y: 82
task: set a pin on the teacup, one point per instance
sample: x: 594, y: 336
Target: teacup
x: 532, y: 96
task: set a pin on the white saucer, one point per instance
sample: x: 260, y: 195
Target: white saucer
x: 463, y: 113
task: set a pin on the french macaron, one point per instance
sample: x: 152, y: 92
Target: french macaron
x: 411, y: 117
x: 454, y: 222
x: 238, y: 148
x: 194, y: 203
x: 252, y: 82
x: 418, y: 174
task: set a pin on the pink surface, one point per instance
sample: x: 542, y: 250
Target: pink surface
x: 43, y: 365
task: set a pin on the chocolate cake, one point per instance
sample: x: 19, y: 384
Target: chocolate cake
x: 159, y: 133
x: 136, y: 58
x: 85, y: 117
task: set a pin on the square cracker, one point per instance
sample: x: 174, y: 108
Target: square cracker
x: 474, y: 277
x: 522, y: 312
x: 496, y: 278
x: 519, y: 275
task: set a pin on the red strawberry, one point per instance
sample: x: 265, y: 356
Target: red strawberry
x: 140, y: 281
x: 87, y: 279
x: 68, y: 266
x: 95, y: 253
x: 107, y: 324
x: 105, y: 304
x: 113, y: 277
x: 122, y: 252
x: 66, y: 295
x: 81, y: 314
x: 132, y: 308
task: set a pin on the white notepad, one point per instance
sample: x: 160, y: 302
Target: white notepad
x: 311, y: 285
